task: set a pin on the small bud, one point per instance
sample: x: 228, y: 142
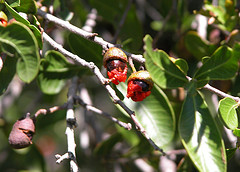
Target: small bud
x: 22, y: 133
x: 139, y: 85
x: 115, y: 60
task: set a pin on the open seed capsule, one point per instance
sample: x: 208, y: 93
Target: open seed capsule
x: 139, y: 85
x: 115, y: 60
x: 22, y: 133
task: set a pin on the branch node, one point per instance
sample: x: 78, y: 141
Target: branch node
x: 72, y: 122
x: 60, y: 158
x: 92, y: 36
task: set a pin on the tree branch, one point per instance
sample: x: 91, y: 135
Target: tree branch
x: 49, y: 110
x: 71, y: 123
x: 104, y: 82
x: 127, y: 126
x: 84, y: 34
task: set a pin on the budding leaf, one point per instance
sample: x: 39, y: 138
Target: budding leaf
x: 162, y: 70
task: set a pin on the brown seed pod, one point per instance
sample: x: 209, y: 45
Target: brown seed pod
x: 22, y: 133
x: 114, y: 53
x: 142, y: 75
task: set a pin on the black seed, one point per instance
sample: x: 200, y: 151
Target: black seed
x: 144, y: 85
x: 113, y: 64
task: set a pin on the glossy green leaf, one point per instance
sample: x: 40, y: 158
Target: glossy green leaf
x: 200, y: 135
x: 27, y: 6
x: 197, y: 46
x: 222, y: 65
x: 227, y: 113
x: 86, y: 49
x: 236, y: 132
x: 20, y: 38
x: 154, y: 113
x: 54, y: 72
x: 7, y: 73
x: 19, y: 18
x: 162, y: 70
x: 230, y: 153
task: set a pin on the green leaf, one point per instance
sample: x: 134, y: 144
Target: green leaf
x: 13, y: 3
x: 54, y: 72
x: 217, y: 11
x: 230, y: 153
x: 222, y: 65
x: 162, y: 70
x: 154, y: 113
x: 182, y: 64
x: 19, y: 18
x: 7, y: 73
x: 27, y: 6
x: 236, y: 132
x: 20, y: 38
x: 200, y: 135
x: 86, y: 49
x: 227, y: 113
x: 197, y: 46
x: 236, y: 50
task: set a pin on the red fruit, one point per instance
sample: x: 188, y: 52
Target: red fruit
x: 3, y: 22
x: 115, y: 61
x: 3, y: 19
x: 139, y: 86
x: 22, y: 133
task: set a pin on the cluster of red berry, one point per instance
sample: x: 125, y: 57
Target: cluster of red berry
x: 139, y: 83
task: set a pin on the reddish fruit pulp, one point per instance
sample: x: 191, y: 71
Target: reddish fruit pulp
x: 117, y: 71
x: 137, y: 91
x: 3, y: 22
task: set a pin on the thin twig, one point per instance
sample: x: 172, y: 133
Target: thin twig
x: 84, y: 34
x: 217, y: 91
x: 127, y: 126
x: 220, y: 93
x: 131, y: 64
x: 49, y: 110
